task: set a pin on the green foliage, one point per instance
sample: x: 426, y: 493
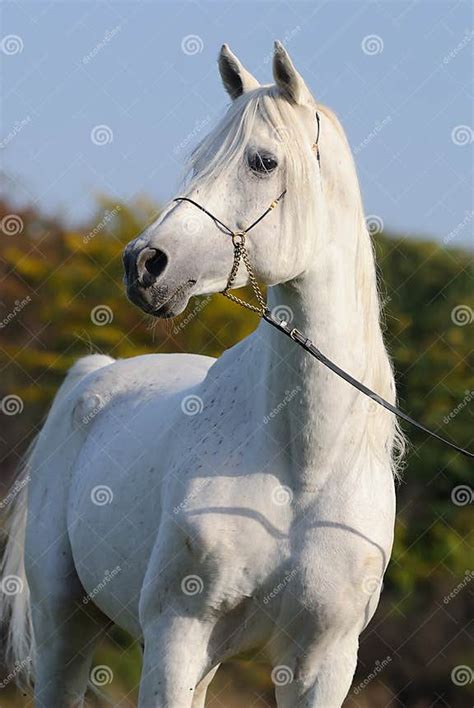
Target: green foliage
x: 63, y: 275
x: 424, y: 284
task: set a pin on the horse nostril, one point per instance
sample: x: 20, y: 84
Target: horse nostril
x: 151, y: 263
x: 157, y: 263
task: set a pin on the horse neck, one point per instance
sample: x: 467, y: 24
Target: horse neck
x: 313, y: 413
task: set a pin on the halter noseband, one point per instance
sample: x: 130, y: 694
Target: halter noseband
x: 240, y: 253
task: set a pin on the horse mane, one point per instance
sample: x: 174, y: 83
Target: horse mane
x: 384, y: 431
x: 223, y: 149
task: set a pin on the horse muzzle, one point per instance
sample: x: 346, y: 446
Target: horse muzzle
x: 151, y: 286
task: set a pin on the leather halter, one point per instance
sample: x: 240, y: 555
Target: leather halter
x: 240, y: 253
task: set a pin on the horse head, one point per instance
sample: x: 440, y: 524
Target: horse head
x: 263, y: 146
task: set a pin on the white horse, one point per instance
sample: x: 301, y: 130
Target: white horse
x: 244, y: 503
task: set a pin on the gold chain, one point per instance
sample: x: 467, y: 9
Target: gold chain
x: 240, y: 253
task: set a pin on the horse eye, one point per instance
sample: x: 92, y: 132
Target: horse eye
x: 262, y: 164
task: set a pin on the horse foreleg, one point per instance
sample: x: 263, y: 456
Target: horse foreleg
x: 174, y: 663
x: 320, y: 679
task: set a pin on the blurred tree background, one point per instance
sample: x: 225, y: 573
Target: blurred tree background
x: 62, y: 297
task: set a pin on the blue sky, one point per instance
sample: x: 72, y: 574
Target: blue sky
x: 398, y: 74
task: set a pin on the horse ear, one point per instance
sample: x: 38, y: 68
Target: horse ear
x: 288, y: 80
x: 235, y: 78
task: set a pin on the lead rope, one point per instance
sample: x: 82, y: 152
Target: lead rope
x: 241, y: 254
x: 308, y: 346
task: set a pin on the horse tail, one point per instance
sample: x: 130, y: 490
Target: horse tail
x: 15, y: 608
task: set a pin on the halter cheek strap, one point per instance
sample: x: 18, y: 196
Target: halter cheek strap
x: 316, y: 142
